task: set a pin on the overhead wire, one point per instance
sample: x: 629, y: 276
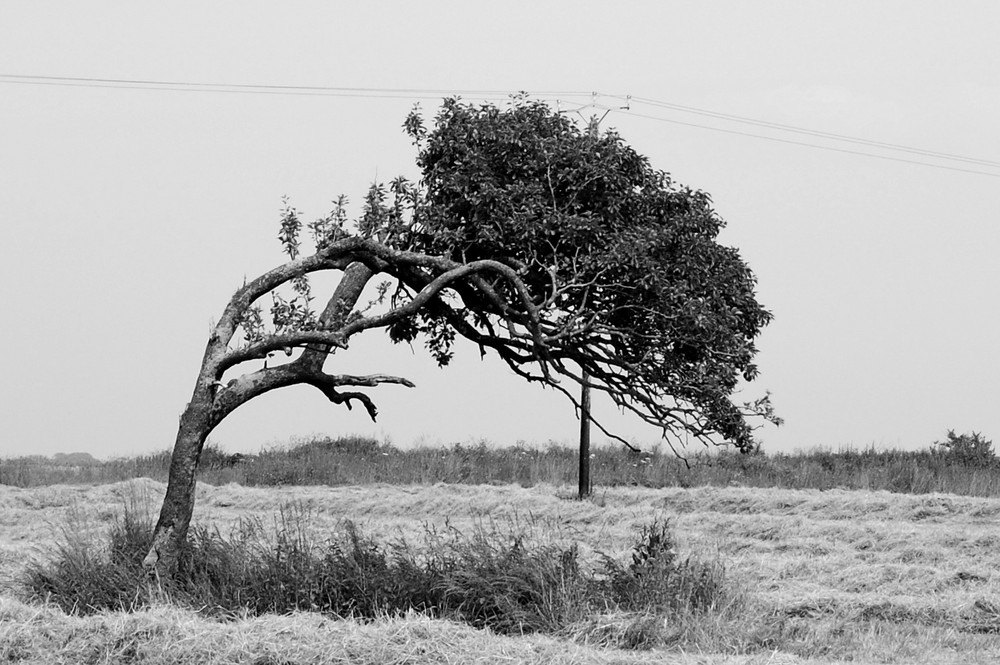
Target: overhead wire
x: 628, y: 100
x: 247, y: 88
x: 552, y: 96
x: 808, y: 145
x: 813, y: 132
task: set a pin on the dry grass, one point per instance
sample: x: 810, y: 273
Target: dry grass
x: 835, y: 575
x: 166, y: 635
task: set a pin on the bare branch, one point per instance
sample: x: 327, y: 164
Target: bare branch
x: 242, y: 389
x: 369, y: 380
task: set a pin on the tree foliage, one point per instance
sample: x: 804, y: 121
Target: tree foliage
x: 620, y: 266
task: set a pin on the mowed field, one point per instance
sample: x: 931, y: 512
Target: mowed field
x: 832, y: 576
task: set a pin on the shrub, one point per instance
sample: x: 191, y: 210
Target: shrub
x: 971, y: 449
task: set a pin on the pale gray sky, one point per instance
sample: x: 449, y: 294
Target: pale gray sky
x: 130, y: 215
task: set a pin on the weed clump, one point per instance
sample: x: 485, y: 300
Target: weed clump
x: 656, y: 579
x: 502, y: 577
x: 82, y: 577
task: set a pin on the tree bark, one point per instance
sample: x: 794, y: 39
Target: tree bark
x: 178, y: 504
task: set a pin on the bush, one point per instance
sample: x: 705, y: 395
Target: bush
x: 969, y: 449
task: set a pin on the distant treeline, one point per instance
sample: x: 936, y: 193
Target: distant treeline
x: 963, y: 464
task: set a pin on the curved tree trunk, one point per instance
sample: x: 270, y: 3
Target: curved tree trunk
x: 212, y: 401
x: 198, y: 420
x: 178, y: 504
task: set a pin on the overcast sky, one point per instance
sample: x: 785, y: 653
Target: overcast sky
x: 130, y: 213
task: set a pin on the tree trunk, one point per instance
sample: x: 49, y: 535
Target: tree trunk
x: 178, y: 504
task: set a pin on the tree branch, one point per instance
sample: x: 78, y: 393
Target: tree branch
x: 339, y: 307
x: 246, y: 387
x: 453, y: 273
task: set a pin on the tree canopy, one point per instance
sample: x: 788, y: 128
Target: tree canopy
x: 621, y: 270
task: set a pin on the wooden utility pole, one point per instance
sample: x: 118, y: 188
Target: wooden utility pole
x: 585, y: 437
x: 584, y: 472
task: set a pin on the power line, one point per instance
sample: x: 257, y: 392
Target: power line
x: 182, y: 88
x: 188, y: 86
x: 808, y: 145
x: 629, y: 100
x: 544, y: 95
x: 813, y: 132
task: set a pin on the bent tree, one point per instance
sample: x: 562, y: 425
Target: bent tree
x: 558, y: 248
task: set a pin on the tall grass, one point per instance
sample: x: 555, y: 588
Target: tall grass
x: 508, y: 577
x: 35, y: 470
x: 359, y: 460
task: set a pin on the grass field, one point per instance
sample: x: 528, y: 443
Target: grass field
x: 820, y: 576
